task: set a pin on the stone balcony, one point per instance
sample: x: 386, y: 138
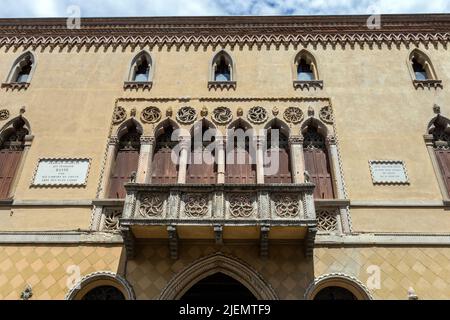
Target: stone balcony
x: 219, y: 213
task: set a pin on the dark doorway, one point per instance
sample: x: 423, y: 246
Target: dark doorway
x: 218, y: 288
x: 335, y: 294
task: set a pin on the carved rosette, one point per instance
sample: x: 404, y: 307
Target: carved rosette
x: 222, y: 115
x: 4, y: 115
x: 242, y: 205
x: 196, y: 205
x: 112, y: 217
x: 258, y: 115
x: 293, y: 115
x: 186, y: 115
x: 286, y: 205
x: 120, y: 114
x: 326, y: 115
x: 152, y: 205
x: 151, y: 115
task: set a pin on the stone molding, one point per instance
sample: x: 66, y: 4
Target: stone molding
x: 211, y: 265
x: 348, y: 282
x: 214, y: 31
x: 121, y: 283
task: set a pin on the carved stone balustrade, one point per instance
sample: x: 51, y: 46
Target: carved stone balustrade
x: 219, y: 213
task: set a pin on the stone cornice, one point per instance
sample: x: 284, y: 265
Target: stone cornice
x: 222, y: 31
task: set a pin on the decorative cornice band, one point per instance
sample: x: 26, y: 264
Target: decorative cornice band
x: 286, y: 40
x: 225, y: 31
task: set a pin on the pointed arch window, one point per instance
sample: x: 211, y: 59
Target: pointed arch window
x: 422, y: 71
x: 21, y: 72
x: 12, y: 145
x: 317, y: 163
x: 278, y: 156
x: 202, y: 168
x: 222, y: 72
x: 305, y: 71
x: 126, y: 163
x: 164, y: 169
x: 140, y: 73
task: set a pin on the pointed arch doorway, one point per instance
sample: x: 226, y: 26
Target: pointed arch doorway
x: 218, y: 287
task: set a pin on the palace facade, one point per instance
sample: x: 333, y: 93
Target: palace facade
x: 93, y: 205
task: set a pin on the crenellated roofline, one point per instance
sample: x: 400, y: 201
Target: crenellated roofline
x: 249, y: 31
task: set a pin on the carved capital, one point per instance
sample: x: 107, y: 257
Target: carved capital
x: 147, y: 140
x: 296, y: 140
x: 331, y: 141
x: 113, y: 141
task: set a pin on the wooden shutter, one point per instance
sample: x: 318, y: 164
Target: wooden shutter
x: 244, y: 173
x: 9, y: 162
x: 127, y: 162
x: 164, y: 170
x: 200, y: 173
x: 284, y: 171
x: 318, y: 167
x: 443, y: 157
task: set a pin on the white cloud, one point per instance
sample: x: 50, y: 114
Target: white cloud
x: 89, y: 8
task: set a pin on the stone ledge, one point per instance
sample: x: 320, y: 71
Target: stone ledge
x: 419, y: 239
x: 59, y: 238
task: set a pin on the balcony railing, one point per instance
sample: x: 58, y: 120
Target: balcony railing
x: 266, y: 208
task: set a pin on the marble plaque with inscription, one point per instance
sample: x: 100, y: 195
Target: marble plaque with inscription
x: 388, y: 172
x: 62, y: 172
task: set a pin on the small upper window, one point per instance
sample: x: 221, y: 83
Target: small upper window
x: 419, y: 70
x: 304, y: 71
x: 21, y: 71
x: 223, y: 70
x: 141, y: 68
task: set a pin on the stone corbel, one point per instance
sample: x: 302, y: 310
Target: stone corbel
x: 218, y: 234
x: 173, y: 242
x: 310, y: 242
x: 129, y: 242
x: 264, y: 242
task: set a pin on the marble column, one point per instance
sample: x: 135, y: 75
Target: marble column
x: 260, y: 140
x: 144, y: 172
x: 113, y: 144
x: 297, y: 159
x: 221, y: 161
x: 185, y: 145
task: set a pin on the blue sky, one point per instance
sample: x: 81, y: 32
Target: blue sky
x: 99, y: 8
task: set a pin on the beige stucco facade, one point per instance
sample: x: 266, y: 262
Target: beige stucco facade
x: 378, y: 115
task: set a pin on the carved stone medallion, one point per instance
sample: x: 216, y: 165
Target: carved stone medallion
x: 222, y: 115
x: 286, y: 206
x: 326, y: 115
x: 293, y: 115
x: 242, y: 205
x: 258, y: 115
x: 4, y: 114
x: 186, y: 115
x: 152, y: 205
x: 196, y: 205
x: 120, y: 114
x: 151, y: 115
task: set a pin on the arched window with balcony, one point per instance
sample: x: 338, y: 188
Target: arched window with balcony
x: 22, y: 70
x: 422, y: 70
x: 202, y: 168
x: 241, y: 154
x: 317, y: 162
x: 306, y: 74
x: 12, y: 145
x: 278, y: 162
x: 222, y: 72
x: 127, y: 159
x: 164, y: 168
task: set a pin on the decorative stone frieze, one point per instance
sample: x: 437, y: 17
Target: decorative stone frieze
x: 16, y: 85
x: 308, y: 85
x: 428, y: 84
x: 286, y: 205
x: 135, y: 85
x: 196, y: 205
x: 222, y: 85
x: 242, y: 205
